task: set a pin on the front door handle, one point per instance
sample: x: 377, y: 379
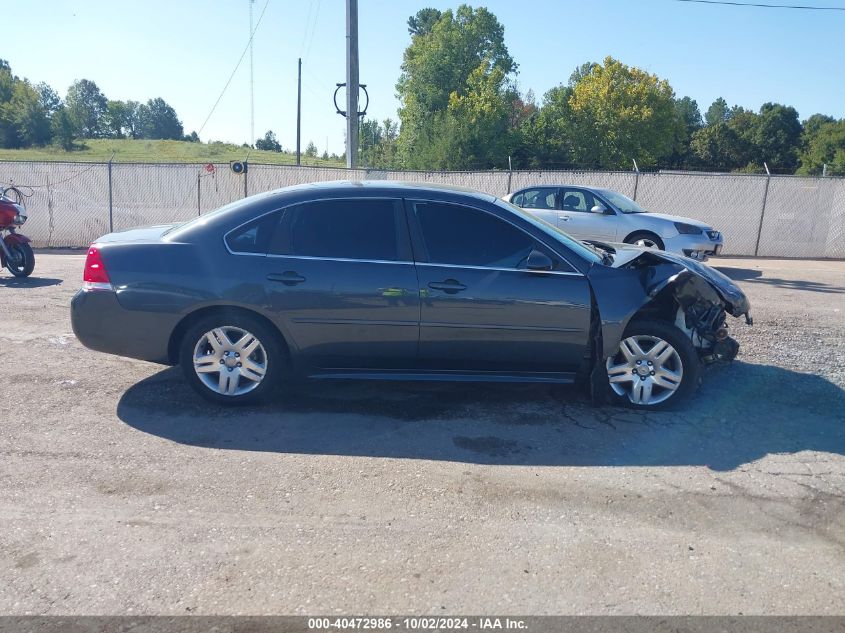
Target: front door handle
x: 450, y: 286
x: 289, y: 277
x: 563, y: 218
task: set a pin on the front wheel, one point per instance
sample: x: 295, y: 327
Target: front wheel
x: 656, y: 366
x: 21, y: 260
x: 646, y: 240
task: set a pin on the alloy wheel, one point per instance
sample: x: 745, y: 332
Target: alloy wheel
x: 230, y: 361
x: 646, y: 369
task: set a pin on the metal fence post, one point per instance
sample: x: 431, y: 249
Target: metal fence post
x: 246, y: 171
x: 636, y: 178
x: 111, y: 199
x: 199, y: 208
x: 510, y: 173
x: 763, y: 210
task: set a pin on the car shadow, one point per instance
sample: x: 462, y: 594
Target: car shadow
x: 739, y: 274
x: 742, y: 413
x: 756, y: 276
x: 29, y: 282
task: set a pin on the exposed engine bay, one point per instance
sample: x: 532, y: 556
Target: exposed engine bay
x: 651, y: 284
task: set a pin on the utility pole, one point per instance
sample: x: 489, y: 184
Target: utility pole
x: 298, y: 108
x: 251, y: 82
x: 351, y: 83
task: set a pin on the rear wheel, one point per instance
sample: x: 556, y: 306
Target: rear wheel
x: 645, y: 239
x: 656, y: 366
x: 231, y: 359
x: 21, y: 260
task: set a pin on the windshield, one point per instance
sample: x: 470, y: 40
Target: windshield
x: 622, y: 203
x: 589, y: 253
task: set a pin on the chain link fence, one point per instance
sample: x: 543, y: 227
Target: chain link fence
x: 71, y: 204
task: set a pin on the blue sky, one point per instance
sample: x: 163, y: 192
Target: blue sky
x: 184, y: 51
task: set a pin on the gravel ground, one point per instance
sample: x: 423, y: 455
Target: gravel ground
x: 121, y: 492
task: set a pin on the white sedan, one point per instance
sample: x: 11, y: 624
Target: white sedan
x: 607, y: 216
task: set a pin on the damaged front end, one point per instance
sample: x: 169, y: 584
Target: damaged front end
x: 650, y: 284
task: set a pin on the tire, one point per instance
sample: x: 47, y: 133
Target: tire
x: 647, y: 238
x: 24, y: 257
x: 671, y: 378
x: 219, y: 372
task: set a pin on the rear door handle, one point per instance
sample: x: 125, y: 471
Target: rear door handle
x: 563, y: 218
x: 289, y: 277
x: 450, y: 286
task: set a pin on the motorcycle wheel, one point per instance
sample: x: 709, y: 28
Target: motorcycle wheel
x: 21, y: 263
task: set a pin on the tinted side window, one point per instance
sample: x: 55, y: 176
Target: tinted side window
x: 253, y: 237
x: 343, y: 229
x: 468, y: 237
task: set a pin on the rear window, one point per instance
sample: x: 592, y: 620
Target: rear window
x: 253, y: 237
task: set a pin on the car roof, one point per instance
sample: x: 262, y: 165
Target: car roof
x: 391, y: 187
x: 563, y: 186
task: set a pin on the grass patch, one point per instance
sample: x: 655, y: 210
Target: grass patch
x: 148, y: 151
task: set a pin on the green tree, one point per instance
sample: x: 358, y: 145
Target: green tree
x: 49, y: 98
x: 718, y: 112
x: 8, y: 130
x: 87, y: 107
x: 269, y: 143
x: 378, y: 143
x: 114, y: 121
x: 777, y: 136
x: 718, y: 147
x: 478, y: 121
x: 436, y: 71
x: 64, y: 131
x: 622, y: 113
x: 812, y: 126
x: 522, y: 116
x: 581, y: 72
x: 158, y: 120
x: 311, y: 150
x: 423, y: 21
x: 824, y: 144
x: 689, y: 121
x: 549, y: 132
x: 132, y: 118
x: 32, y: 125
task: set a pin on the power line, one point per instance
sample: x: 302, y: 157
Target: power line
x: 305, y: 30
x: 313, y: 28
x: 238, y: 65
x: 803, y: 7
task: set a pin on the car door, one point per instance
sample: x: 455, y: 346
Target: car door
x: 576, y: 218
x: 481, y: 308
x: 540, y: 201
x: 341, y: 280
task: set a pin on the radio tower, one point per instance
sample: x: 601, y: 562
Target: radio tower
x: 251, y: 81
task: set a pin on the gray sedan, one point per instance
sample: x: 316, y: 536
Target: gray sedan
x: 601, y: 214
x: 393, y: 281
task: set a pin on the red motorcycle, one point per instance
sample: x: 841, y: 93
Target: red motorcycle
x: 15, y: 251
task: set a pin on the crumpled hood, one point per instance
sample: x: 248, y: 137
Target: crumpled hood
x: 735, y: 300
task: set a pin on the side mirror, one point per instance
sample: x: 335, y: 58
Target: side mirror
x: 599, y: 208
x: 538, y: 261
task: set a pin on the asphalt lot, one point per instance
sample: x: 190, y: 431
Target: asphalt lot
x: 121, y: 492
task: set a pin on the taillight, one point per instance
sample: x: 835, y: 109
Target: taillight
x: 95, y: 276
